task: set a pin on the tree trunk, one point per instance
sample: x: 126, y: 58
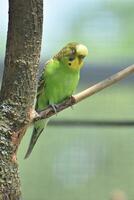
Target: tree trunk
x: 18, y: 87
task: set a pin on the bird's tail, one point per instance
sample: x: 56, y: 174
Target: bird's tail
x: 39, y: 126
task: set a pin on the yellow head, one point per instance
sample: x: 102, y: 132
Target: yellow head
x: 72, y: 55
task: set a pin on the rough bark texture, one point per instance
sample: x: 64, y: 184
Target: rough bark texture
x: 18, y: 87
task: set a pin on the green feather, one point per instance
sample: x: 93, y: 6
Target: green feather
x: 58, y: 82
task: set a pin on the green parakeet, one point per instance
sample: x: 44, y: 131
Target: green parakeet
x: 59, y: 79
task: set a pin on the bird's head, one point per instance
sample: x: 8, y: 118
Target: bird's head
x: 72, y: 55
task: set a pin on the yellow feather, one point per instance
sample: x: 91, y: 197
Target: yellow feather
x: 76, y: 64
x: 81, y: 50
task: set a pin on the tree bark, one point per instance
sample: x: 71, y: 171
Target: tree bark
x: 18, y: 87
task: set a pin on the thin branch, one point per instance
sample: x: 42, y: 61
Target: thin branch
x: 48, y: 112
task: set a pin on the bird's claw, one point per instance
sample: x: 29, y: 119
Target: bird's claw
x: 54, y: 106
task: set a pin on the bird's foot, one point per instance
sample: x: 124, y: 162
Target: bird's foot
x: 54, y: 106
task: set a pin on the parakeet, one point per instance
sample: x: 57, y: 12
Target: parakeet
x: 58, y: 81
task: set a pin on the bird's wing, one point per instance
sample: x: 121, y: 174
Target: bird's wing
x: 41, y: 83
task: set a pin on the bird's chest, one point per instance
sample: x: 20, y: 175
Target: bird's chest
x: 61, y: 86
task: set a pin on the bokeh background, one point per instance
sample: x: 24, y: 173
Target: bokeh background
x: 84, y: 162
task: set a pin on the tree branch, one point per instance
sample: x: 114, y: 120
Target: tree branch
x: 48, y: 112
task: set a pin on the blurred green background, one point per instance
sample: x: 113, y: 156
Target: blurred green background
x: 84, y: 162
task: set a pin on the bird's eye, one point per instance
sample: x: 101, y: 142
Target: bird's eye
x: 71, y: 58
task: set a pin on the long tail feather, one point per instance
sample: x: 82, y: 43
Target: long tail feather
x: 38, y: 128
x: 35, y: 135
